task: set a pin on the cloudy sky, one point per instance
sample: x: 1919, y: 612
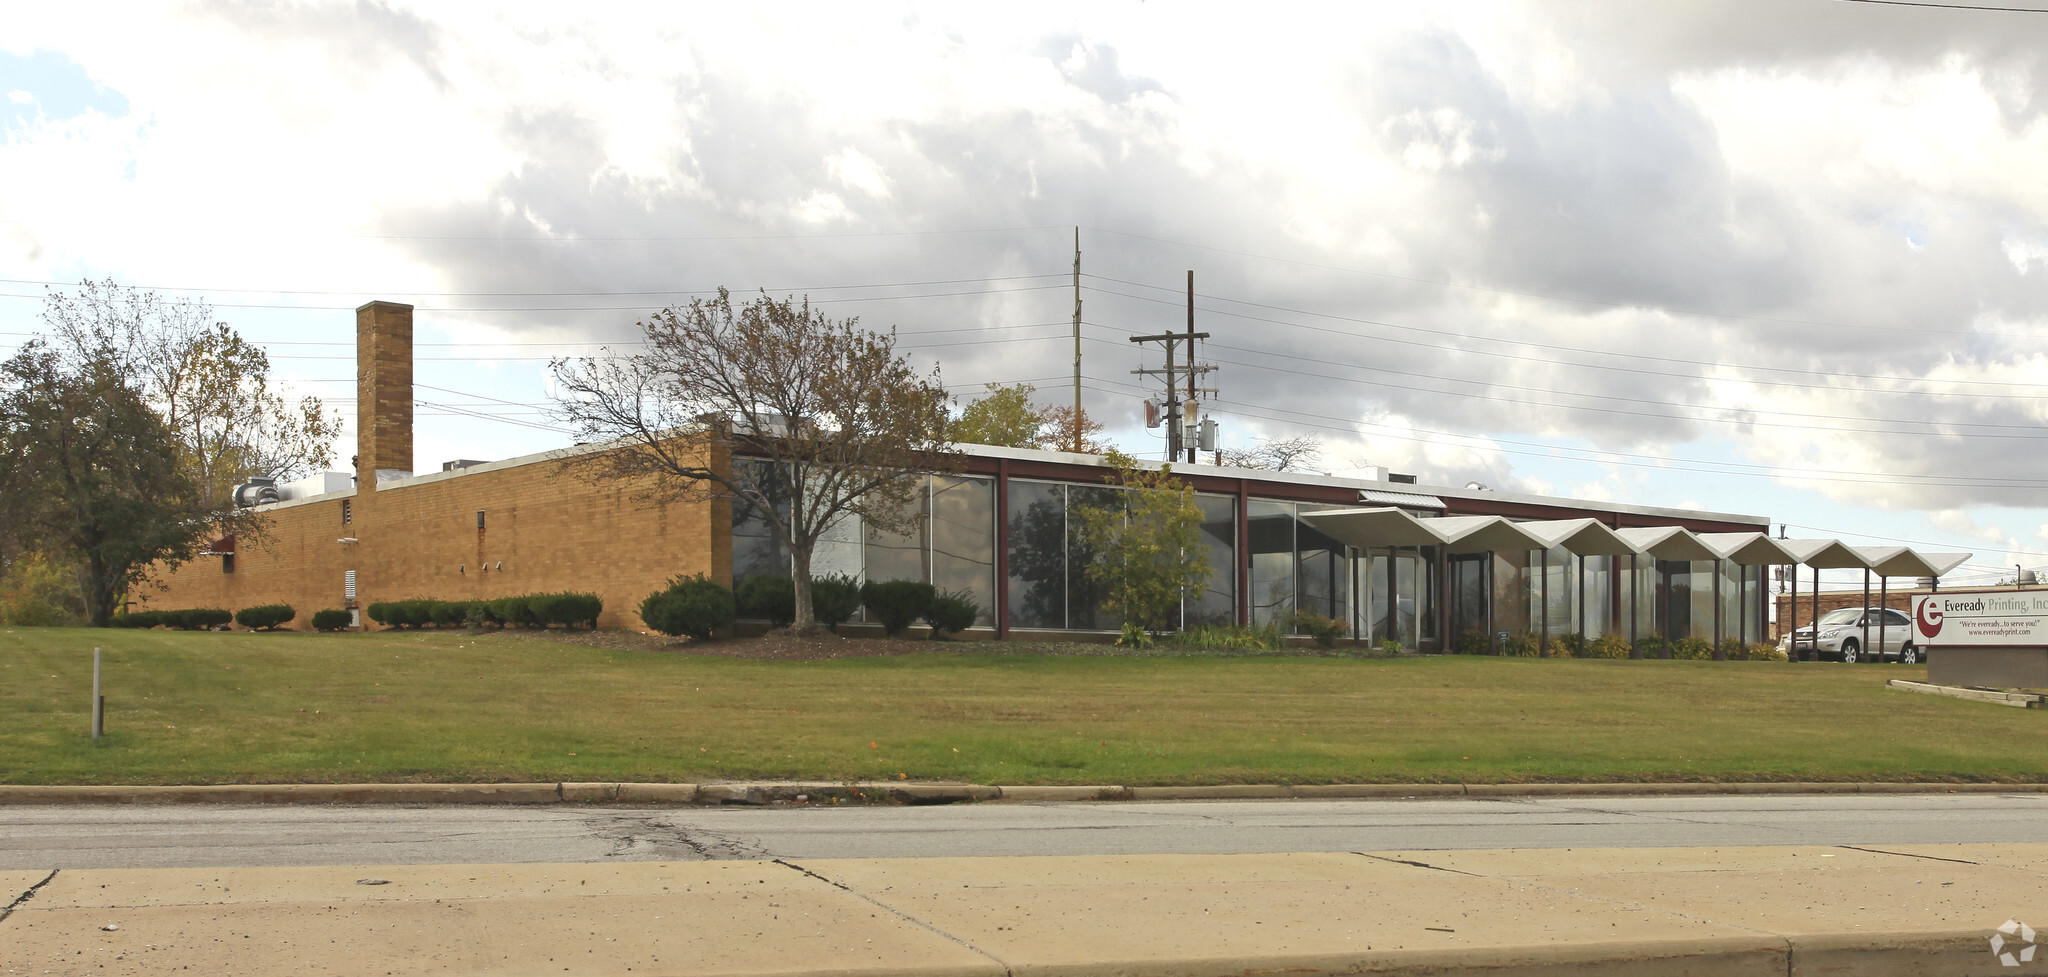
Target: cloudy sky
x: 1787, y: 258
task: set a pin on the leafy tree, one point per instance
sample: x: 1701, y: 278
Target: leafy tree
x: 841, y: 422
x: 1003, y: 416
x: 209, y: 385
x: 92, y: 474
x: 1149, y: 548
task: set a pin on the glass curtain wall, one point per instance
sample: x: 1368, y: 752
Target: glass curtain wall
x: 1049, y: 583
x: 1272, y: 562
x: 949, y: 543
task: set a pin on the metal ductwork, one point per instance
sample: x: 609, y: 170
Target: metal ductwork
x: 255, y: 492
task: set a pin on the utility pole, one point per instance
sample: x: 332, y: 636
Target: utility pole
x: 1191, y: 355
x: 1077, y: 338
x: 1173, y: 373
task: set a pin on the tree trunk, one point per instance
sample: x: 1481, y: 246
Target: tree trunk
x: 99, y: 596
x: 806, y: 619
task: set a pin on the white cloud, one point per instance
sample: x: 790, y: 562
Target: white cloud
x: 19, y: 97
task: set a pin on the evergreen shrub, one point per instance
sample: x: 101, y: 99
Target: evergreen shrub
x: 330, y: 620
x: 768, y: 596
x: 953, y: 611
x: 897, y: 604
x: 834, y: 599
x: 694, y: 606
x: 265, y: 617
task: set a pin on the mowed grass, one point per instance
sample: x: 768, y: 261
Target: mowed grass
x: 198, y: 708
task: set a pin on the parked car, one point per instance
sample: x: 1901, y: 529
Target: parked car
x: 1842, y: 637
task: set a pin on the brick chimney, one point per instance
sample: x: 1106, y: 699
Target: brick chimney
x: 383, y: 393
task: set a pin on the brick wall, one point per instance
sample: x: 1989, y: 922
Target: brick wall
x: 544, y: 530
x: 1899, y: 599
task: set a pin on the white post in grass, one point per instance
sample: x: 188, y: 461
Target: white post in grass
x: 98, y: 715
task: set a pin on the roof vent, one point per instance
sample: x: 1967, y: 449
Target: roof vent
x: 1399, y: 477
x: 449, y: 466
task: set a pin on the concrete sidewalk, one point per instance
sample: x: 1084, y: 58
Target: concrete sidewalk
x: 1920, y: 910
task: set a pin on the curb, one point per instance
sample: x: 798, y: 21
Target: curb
x: 913, y: 793
x: 2024, y: 700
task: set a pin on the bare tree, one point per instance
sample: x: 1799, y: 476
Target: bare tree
x: 1295, y: 454
x: 837, y: 422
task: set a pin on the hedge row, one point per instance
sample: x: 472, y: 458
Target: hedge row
x: 190, y: 619
x: 522, y: 611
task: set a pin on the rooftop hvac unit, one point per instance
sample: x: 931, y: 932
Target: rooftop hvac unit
x: 255, y: 492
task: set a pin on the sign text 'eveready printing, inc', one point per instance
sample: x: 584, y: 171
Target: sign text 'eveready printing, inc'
x: 1999, y: 618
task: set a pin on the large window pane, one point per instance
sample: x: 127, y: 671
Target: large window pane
x: 1038, y: 555
x: 1428, y: 579
x: 903, y: 555
x: 1087, y: 608
x: 1320, y: 585
x: 1272, y: 562
x: 1217, y: 603
x: 754, y: 546
x: 1560, y: 591
x: 963, y: 540
x: 1599, y: 595
x: 1512, y: 600
x: 1468, y: 598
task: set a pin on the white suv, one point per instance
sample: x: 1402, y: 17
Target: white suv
x: 1842, y: 636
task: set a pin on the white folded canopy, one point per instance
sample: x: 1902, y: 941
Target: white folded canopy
x: 1366, y: 528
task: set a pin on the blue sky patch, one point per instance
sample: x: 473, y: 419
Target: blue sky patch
x: 55, y: 88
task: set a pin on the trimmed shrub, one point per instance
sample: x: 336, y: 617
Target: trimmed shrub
x: 265, y: 617
x: 447, y: 613
x: 1692, y: 649
x: 1572, y: 645
x: 480, y: 614
x: 1607, y: 646
x: 1521, y: 644
x: 516, y: 612
x: 1651, y: 646
x: 897, y: 604
x: 200, y: 618
x: 1473, y: 642
x: 383, y: 612
x: 1734, y: 649
x: 1326, y: 630
x: 953, y: 611
x: 566, y: 609
x: 834, y: 599
x: 767, y: 596
x: 330, y: 620
x: 1761, y: 652
x: 139, y: 619
x: 694, y: 606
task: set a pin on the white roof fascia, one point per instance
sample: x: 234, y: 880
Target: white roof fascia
x: 1584, y: 537
x: 1668, y: 543
x: 1748, y: 549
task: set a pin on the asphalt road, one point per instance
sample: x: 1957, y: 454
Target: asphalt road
x: 67, y: 837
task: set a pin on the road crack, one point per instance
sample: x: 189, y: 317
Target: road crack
x: 26, y: 896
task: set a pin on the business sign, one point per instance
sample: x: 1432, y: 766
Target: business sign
x: 1982, y: 618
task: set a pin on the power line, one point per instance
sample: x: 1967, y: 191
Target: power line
x: 1952, y: 6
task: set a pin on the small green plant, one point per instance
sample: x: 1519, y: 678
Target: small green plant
x: 1325, y: 630
x: 1734, y: 649
x: 1572, y: 645
x: 897, y: 604
x: 1692, y: 649
x: 330, y: 620
x: 953, y: 612
x: 1473, y: 642
x: 1227, y: 637
x: 266, y: 617
x: 1134, y: 636
x: 1521, y: 644
x: 834, y: 599
x: 1761, y: 652
x: 694, y: 606
x: 1607, y: 646
x: 768, y: 596
x: 1391, y: 648
x: 1650, y: 646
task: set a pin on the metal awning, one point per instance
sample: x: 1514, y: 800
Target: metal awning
x: 1378, y: 526
x: 1584, y: 537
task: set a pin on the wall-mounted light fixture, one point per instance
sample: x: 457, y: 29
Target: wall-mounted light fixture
x: 346, y: 539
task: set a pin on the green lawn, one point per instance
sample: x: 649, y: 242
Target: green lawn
x: 292, y: 707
